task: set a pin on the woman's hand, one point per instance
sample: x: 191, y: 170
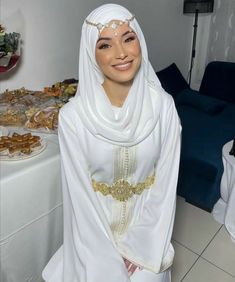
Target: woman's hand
x: 131, y: 267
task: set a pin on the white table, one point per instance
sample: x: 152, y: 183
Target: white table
x: 224, y: 209
x: 31, y: 214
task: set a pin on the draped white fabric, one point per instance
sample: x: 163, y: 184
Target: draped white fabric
x: 221, y: 45
x: 147, y: 276
x: 223, y: 210
x: 91, y: 251
x: 215, y: 38
x: 31, y: 225
x: 138, y: 116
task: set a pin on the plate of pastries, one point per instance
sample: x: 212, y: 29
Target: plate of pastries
x: 36, y: 111
x: 20, y: 146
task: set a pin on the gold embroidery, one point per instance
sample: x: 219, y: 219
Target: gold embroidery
x: 124, y: 167
x: 121, y: 189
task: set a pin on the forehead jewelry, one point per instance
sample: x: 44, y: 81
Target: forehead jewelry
x: 113, y: 25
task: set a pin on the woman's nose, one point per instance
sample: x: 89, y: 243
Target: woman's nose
x: 121, y: 52
x: 122, y: 56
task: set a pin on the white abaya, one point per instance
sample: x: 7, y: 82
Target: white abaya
x: 100, y: 230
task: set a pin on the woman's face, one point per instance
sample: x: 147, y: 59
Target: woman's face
x: 118, y: 53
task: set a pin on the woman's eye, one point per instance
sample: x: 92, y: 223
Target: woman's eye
x: 104, y: 46
x: 131, y: 38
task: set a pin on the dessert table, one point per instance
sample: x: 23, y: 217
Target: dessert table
x: 30, y: 213
x: 224, y: 209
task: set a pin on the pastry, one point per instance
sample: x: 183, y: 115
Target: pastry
x: 19, y: 144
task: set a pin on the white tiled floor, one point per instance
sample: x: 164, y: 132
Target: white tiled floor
x: 204, y: 251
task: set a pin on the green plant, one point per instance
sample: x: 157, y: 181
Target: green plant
x: 9, y: 42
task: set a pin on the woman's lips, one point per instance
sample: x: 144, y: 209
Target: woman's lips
x: 123, y: 66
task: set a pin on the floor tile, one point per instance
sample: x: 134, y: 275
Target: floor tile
x: 194, y: 228
x: 184, y: 259
x: 221, y: 251
x: 203, y: 271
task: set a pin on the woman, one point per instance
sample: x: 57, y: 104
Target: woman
x: 120, y: 145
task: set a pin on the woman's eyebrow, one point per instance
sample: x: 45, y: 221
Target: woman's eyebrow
x: 127, y: 32
x: 103, y: 38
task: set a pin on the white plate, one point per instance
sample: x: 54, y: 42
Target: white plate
x: 34, y: 153
x: 3, y: 131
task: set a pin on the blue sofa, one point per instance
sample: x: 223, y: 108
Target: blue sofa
x: 208, y: 122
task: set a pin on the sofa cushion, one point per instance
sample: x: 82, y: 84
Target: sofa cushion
x: 219, y: 81
x: 202, y: 175
x: 202, y: 103
x: 172, y: 80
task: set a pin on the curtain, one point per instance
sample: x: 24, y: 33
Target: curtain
x: 221, y: 45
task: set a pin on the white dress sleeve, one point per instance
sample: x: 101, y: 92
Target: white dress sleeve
x: 147, y: 242
x: 88, y: 253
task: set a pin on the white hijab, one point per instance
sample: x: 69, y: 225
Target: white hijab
x: 139, y: 114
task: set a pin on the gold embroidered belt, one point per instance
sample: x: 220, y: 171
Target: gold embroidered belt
x: 121, y: 189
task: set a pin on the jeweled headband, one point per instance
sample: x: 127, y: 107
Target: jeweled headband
x: 113, y: 24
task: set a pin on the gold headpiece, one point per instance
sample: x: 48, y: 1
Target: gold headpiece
x: 112, y: 24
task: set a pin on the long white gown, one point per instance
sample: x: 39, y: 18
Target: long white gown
x: 100, y: 230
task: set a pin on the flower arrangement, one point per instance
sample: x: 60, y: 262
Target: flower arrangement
x: 9, y: 42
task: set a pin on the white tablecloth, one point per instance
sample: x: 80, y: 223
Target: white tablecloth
x: 31, y: 214
x: 224, y: 209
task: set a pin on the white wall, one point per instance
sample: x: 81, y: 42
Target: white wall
x: 51, y: 32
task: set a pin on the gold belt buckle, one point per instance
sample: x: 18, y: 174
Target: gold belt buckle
x: 121, y: 189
